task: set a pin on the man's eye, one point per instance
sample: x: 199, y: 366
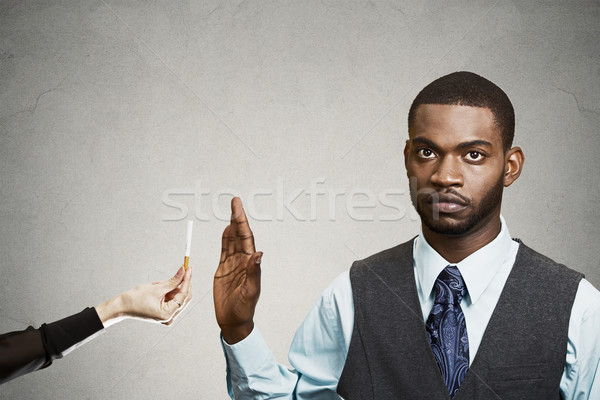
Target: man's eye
x: 425, y: 153
x: 474, y: 155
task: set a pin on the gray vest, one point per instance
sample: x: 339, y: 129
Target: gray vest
x: 522, y: 352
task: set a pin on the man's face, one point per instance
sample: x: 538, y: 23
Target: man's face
x: 455, y: 154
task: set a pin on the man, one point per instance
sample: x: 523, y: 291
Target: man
x: 461, y: 311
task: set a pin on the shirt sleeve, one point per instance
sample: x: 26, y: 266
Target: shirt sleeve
x: 31, y: 349
x: 581, y: 377
x: 317, y: 354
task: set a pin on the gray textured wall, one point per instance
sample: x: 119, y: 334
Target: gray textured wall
x: 108, y: 106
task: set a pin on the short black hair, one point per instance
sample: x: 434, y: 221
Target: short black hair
x: 468, y: 89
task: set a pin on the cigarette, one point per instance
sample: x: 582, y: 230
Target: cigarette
x: 188, y: 244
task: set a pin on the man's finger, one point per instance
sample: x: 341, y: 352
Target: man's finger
x: 243, y: 233
x: 235, y: 210
x: 224, y: 244
x: 231, y: 240
x: 253, y: 274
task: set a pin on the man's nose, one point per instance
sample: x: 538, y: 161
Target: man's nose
x: 448, y: 173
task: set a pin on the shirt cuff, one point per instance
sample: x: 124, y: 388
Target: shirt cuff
x: 247, y: 356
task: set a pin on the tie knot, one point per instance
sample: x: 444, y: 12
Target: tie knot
x: 449, y: 286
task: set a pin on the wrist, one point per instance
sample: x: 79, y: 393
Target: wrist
x: 235, y: 334
x: 110, y: 310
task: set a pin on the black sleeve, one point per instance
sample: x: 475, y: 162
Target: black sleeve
x: 26, y: 351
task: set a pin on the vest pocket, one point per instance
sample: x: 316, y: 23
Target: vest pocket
x: 519, y: 382
x: 513, y: 373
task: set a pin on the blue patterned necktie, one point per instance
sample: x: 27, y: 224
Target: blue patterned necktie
x: 447, y: 330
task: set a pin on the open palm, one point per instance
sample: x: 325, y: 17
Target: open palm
x: 236, y: 285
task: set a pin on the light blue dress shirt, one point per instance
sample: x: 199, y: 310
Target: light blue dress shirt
x: 319, y: 349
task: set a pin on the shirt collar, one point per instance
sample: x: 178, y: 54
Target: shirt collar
x: 477, y: 270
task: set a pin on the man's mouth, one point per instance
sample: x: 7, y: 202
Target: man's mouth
x: 447, y: 203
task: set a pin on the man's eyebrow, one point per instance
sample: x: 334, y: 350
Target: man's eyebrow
x: 426, y: 142
x: 461, y: 146
x: 474, y: 143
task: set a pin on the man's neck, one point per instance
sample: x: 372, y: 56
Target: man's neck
x: 454, y: 249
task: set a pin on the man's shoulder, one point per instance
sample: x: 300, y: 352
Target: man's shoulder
x: 393, y: 253
x: 527, y: 255
x: 392, y: 258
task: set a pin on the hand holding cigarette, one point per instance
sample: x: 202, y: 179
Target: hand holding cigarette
x: 25, y: 351
x: 156, y: 302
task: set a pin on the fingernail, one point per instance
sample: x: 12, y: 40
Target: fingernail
x: 258, y: 259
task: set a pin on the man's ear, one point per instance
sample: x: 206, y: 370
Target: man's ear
x: 513, y: 165
x: 406, y: 150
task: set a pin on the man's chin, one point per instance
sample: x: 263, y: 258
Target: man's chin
x: 447, y: 225
x: 448, y: 229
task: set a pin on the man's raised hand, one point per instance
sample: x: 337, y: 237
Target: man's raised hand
x: 236, y: 286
